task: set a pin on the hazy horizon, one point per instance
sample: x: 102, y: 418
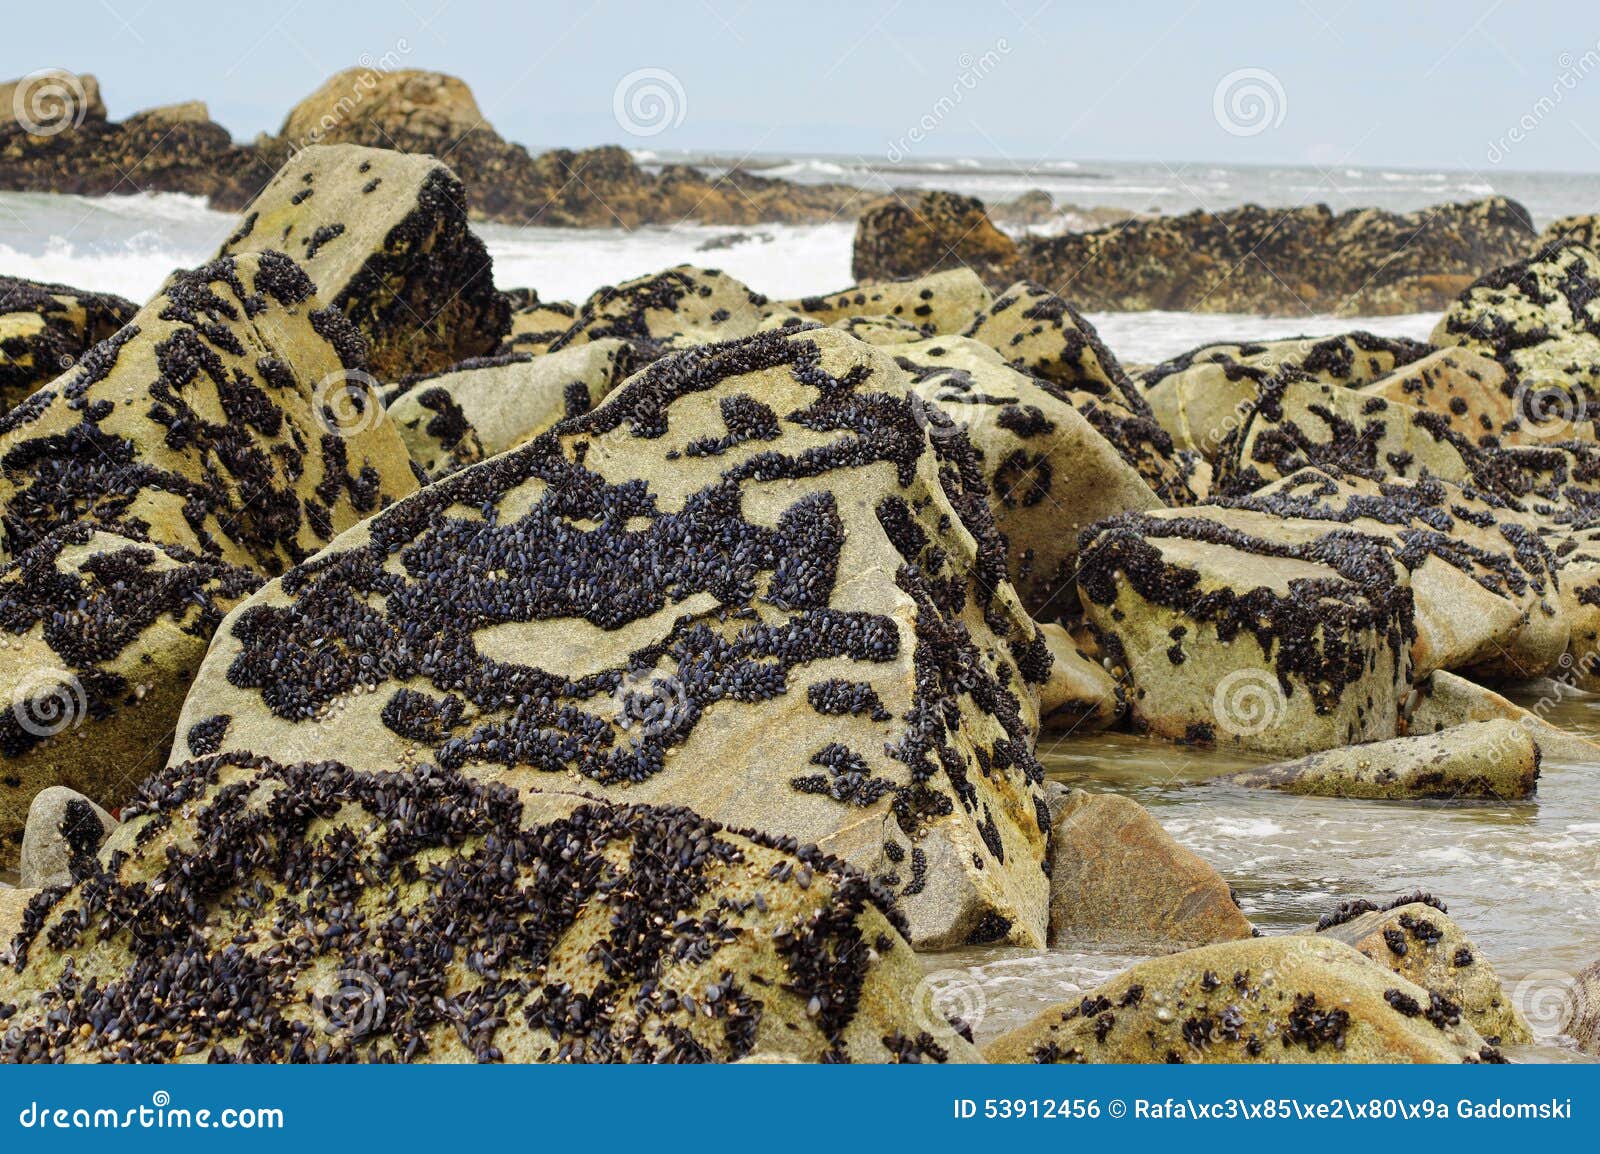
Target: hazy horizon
x: 1471, y: 87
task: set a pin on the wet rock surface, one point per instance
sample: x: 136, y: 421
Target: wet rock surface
x: 1475, y: 761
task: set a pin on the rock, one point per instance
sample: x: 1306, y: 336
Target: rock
x: 1119, y: 881
x: 1418, y: 941
x: 537, y: 907
x: 732, y: 240
x: 437, y: 432
x: 1443, y: 700
x: 63, y: 827
x: 503, y: 401
x: 1478, y: 761
x: 384, y: 236
x: 1296, y: 422
x: 404, y: 109
x: 100, y: 636
x: 1540, y: 318
x: 912, y: 235
x: 1289, y: 999
x: 940, y: 303
x: 1483, y: 583
x: 237, y: 412
x: 873, y: 330
x: 1033, y: 207
x: 749, y: 582
x: 45, y: 328
x: 63, y: 143
x: 1050, y: 474
x: 51, y: 99
x: 1203, y: 395
x: 1038, y: 332
x: 666, y: 312
x: 1581, y: 1021
x: 1221, y: 631
x: 1583, y: 229
x: 1080, y: 697
x: 1578, y: 552
x: 535, y: 324
x: 1469, y: 392
x: 169, y: 115
x: 1363, y: 262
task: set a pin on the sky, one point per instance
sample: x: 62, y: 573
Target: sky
x: 1469, y: 84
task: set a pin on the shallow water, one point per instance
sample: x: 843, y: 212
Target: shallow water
x: 1522, y: 880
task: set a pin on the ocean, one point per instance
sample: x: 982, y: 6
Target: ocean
x: 128, y: 245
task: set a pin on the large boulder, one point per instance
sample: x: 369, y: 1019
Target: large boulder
x: 100, y: 636
x: 749, y: 582
x: 1223, y: 629
x: 1119, y: 881
x: 45, y: 328
x: 384, y: 237
x: 1290, y: 999
x: 907, y: 235
x: 1484, y: 583
x: 1251, y: 259
x: 1540, y: 318
x: 499, y: 402
x: 291, y: 901
x: 1050, y: 473
x: 1583, y: 229
x: 1417, y: 940
x: 1478, y: 761
x: 232, y: 418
